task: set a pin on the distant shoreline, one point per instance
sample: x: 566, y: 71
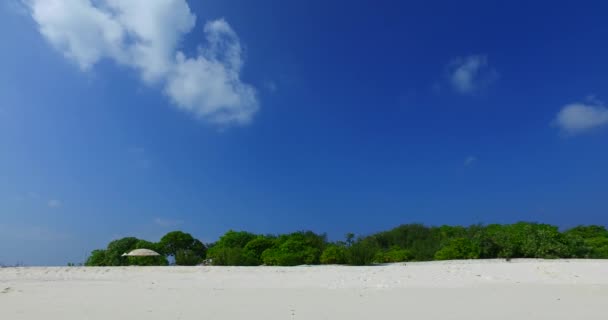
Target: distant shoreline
x: 405, y: 263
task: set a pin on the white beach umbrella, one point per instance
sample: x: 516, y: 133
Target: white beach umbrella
x: 141, y: 253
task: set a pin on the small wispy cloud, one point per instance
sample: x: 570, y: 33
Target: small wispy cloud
x: 470, y: 160
x: 469, y: 75
x: 167, y: 223
x: 54, y: 203
x: 581, y: 117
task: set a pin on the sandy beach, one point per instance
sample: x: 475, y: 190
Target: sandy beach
x: 491, y: 289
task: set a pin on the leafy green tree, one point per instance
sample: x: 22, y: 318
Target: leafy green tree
x: 446, y: 232
x: 499, y: 241
x: 230, y: 249
x: 186, y: 249
x: 350, y: 239
x: 525, y: 240
x: 112, y: 255
x: 254, y: 249
x: 259, y: 244
x: 420, y: 240
x: 290, y: 254
x: 588, y: 241
x: 297, y: 248
x: 226, y: 256
x: 96, y: 259
x: 188, y: 257
x: 588, y: 232
x: 117, y: 248
x: 543, y: 241
x: 578, y: 247
x: 144, y: 244
x: 176, y: 241
x: 599, y: 247
x: 394, y: 254
x: 235, y: 239
x: 362, y: 252
x: 494, y: 242
x: 459, y: 248
x: 334, y: 254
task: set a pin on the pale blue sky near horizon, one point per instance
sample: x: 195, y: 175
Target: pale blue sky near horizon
x: 135, y: 118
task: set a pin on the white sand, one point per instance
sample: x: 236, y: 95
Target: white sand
x: 521, y: 289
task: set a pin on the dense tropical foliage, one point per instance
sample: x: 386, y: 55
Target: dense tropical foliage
x: 411, y: 242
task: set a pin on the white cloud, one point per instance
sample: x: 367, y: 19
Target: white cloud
x: 54, y: 203
x: 209, y: 85
x: 578, y: 117
x: 79, y: 30
x: 470, y: 160
x: 145, y: 35
x: 470, y: 74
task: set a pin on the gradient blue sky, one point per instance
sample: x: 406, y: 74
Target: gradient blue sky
x: 346, y: 116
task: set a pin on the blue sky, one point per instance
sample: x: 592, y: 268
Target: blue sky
x: 136, y: 118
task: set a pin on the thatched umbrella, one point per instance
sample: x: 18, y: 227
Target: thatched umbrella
x: 141, y: 253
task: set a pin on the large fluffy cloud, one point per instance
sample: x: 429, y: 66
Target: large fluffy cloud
x: 576, y: 118
x: 145, y: 35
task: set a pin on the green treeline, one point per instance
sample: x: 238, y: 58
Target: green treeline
x: 411, y: 242
x: 185, y: 249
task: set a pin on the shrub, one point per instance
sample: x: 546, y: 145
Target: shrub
x: 588, y: 241
x: 588, y: 232
x: 143, y: 244
x: 96, y: 259
x: 235, y: 239
x: 394, y: 254
x: 539, y: 240
x: 117, y: 248
x: 188, y: 257
x: 293, y: 251
x: 420, y: 240
x: 253, y: 250
x: 362, y: 252
x: 459, y: 248
x: 230, y: 249
x: 333, y: 254
x: 599, y: 247
x: 176, y: 241
x: 226, y: 256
